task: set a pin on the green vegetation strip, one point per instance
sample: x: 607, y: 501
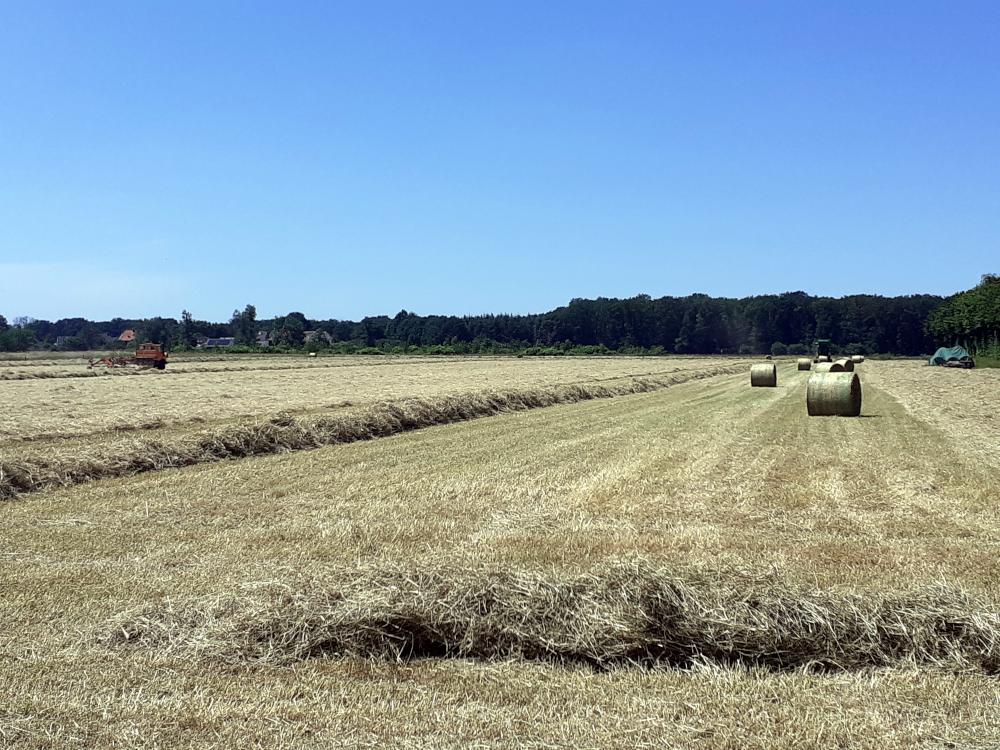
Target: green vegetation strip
x: 283, y: 432
x: 627, y: 613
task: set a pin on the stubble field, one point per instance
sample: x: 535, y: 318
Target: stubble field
x: 619, y: 553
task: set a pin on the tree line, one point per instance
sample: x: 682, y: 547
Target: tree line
x: 695, y: 324
x: 971, y: 319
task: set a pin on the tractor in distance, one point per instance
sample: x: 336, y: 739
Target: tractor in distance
x: 823, y: 350
x: 147, y: 355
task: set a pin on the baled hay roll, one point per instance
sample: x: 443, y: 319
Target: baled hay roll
x: 764, y: 375
x: 833, y: 394
x: 828, y: 367
x: 805, y: 363
x: 824, y: 358
x: 857, y: 359
x: 844, y: 362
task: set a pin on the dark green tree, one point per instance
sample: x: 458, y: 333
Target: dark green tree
x: 289, y: 330
x: 970, y: 318
x: 243, y: 325
x: 187, y: 330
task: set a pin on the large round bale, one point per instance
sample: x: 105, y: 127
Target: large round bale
x: 764, y: 375
x: 828, y: 367
x: 824, y: 358
x: 857, y: 359
x: 805, y: 363
x: 833, y: 394
x: 844, y: 362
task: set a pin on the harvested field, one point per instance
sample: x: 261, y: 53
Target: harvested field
x: 700, y: 565
x: 40, y: 468
x: 193, y: 393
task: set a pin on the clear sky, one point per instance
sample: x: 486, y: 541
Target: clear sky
x: 346, y: 159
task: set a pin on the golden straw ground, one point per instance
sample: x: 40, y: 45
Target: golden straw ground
x: 709, y: 478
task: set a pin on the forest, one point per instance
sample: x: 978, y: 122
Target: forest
x: 696, y: 324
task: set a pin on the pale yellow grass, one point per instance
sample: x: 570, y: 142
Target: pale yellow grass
x: 711, y: 475
x: 70, y: 407
x: 962, y: 403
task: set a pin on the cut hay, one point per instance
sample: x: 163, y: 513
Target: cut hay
x: 833, y: 394
x: 857, y: 359
x: 283, y: 432
x: 804, y: 363
x: 764, y: 375
x: 846, y: 363
x: 824, y: 358
x: 617, y: 615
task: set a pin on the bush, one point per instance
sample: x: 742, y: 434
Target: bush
x: 778, y: 349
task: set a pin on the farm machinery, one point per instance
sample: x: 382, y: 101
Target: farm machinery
x: 147, y: 355
x: 823, y: 351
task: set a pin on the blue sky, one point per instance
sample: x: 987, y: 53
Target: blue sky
x: 347, y: 159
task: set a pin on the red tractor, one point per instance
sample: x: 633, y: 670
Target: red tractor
x: 147, y: 355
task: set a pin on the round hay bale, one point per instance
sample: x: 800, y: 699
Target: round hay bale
x: 844, y: 362
x: 828, y: 367
x: 857, y: 359
x: 824, y: 358
x: 805, y: 363
x: 833, y: 394
x: 764, y: 375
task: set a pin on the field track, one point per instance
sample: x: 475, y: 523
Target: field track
x: 708, y: 476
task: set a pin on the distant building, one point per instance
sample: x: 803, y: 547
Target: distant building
x: 219, y: 343
x: 128, y: 336
x: 263, y: 339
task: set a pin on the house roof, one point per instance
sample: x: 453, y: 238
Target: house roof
x: 127, y: 335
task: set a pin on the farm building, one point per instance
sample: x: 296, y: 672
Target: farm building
x: 219, y: 343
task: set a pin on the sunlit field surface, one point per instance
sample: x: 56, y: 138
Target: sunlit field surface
x: 504, y: 581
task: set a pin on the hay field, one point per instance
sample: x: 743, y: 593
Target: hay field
x: 493, y: 582
x: 198, y: 391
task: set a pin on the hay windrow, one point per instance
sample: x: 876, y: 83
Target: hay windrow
x: 615, y: 615
x: 283, y: 432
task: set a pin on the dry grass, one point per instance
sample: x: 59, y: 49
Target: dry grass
x: 616, y: 615
x: 283, y: 432
x: 196, y: 392
x: 961, y: 403
x: 721, y: 491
